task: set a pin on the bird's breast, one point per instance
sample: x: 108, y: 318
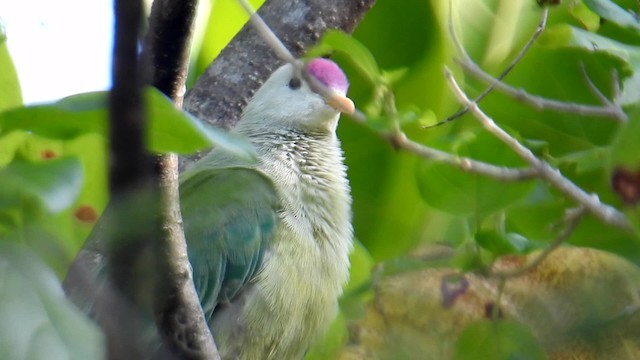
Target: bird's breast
x: 306, y: 265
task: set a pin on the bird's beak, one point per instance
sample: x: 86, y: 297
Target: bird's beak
x: 341, y: 103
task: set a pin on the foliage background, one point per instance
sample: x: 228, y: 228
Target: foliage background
x: 53, y: 180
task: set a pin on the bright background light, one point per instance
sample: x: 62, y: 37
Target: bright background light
x: 60, y: 47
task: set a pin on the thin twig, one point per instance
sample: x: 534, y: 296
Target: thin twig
x: 542, y: 103
x: 612, y: 111
x: 572, y: 219
x: 267, y: 35
x: 220, y: 94
x: 539, y: 29
x: 282, y: 52
x: 399, y: 140
x: 466, y: 164
x: 545, y: 171
x: 603, y: 99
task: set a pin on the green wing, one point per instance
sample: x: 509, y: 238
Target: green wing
x: 229, y: 217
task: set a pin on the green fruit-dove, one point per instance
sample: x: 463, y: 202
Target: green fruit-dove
x: 269, y: 240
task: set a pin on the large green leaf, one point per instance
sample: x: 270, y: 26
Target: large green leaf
x: 226, y: 18
x: 453, y: 190
x: 497, y: 340
x: 610, y: 11
x: 59, y: 235
x: 36, y: 319
x: 628, y: 55
x: 55, y: 184
x: 170, y: 129
x: 331, y: 343
x: 10, y: 94
x: 65, y: 119
x: 492, y: 31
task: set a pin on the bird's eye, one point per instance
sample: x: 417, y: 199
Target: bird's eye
x: 295, y: 83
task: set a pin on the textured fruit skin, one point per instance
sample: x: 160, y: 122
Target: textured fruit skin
x: 574, y: 303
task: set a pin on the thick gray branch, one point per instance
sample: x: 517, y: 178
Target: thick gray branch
x: 219, y: 96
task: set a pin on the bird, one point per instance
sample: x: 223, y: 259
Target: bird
x: 269, y: 240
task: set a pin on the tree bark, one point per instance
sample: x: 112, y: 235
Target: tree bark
x: 179, y: 318
x: 220, y: 94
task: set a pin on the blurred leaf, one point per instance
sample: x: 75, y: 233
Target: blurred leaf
x: 593, y: 233
x: 170, y: 129
x: 568, y: 36
x: 39, y: 322
x: 174, y: 130
x: 9, y: 145
x: 535, y: 217
x: 499, y: 243
x: 588, y: 19
x: 610, y: 11
x: 361, y: 266
x: 54, y: 183
x: 497, y: 340
x: 453, y: 190
x: 626, y: 147
x: 59, y: 235
x: 10, y: 94
x: 468, y: 257
x: 64, y: 119
x: 563, y: 132
x: 332, y: 341
x: 587, y: 160
x: 493, y: 30
x: 562, y: 35
x: 360, y: 56
x: 225, y: 21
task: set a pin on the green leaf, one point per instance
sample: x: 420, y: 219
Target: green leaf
x: 587, y: 18
x: 534, y: 218
x: 469, y: 257
x: 173, y: 130
x: 497, y: 340
x: 499, y: 243
x: 361, y: 265
x: 331, y: 343
x: 36, y: 319
x: 614, y: 13
x: 65, y: 119
x: 360, y: 56
x: 587, y: 160
x: 10, y: 144
x: 626, y: 147
x: 170, y: 129
x: 10, y: 94
x: 563, y: 35
x: 226, y: 18
x: 54, y: 183
x: 572, y: 37
x: 455, y: 191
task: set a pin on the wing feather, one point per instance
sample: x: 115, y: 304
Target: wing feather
x: 229, y: 218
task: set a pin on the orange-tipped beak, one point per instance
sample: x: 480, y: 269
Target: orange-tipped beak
x: 341, y: 103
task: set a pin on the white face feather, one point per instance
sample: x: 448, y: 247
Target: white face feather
x: 280, y: 104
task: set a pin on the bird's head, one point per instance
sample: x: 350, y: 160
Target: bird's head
x: 288, y: 100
